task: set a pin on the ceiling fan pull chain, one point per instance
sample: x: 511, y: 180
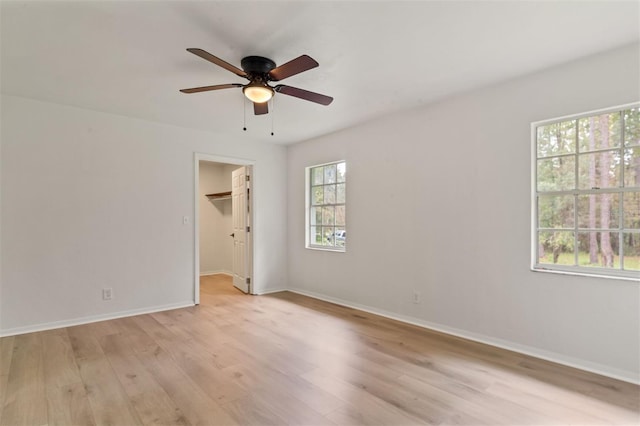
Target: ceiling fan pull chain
x: 244, y: 114
x: 273, y: 112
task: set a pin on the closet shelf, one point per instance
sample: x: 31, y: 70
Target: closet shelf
x: 219, y: 196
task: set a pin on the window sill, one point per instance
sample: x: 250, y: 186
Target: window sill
x: 332, y: 249
x: 628, y: 275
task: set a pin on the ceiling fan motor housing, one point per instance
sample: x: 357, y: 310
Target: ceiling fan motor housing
x: 257, y: 66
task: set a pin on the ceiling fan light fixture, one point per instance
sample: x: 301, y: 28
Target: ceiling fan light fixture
x: 260, y: 71
x: 258, y: 93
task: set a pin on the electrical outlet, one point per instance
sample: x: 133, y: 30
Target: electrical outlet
x: 107, y: 293
x: 416, y: 297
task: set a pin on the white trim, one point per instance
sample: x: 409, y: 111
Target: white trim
x: 607, y: 273
x: 270, y: 291
x: 92, y: 318
x: 581, y: 364
x: 220, y: 272
x: 328, y: 248
x: 585, y: 114
x: 625, y: 275
x: 197, y: 157
x: 534, y: 197
x: 307, y: 210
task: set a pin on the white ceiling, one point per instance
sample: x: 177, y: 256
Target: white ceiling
x: 129, y: 57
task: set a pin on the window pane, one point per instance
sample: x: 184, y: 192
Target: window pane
x: 330, y: 174
x: 342, y: 172
x: 631, y: 126
x: 316, y: 215
x: 328, y: 215
x: 598, y: 249
x: 631, y: 251
x: 555, y: 211
x: 340, y: 215
x: 599, y: 132
x: 557, y: 138
x: 317, y: 174
x: 556, y: 174
x: 631, y: 212
x: 316, y: 235
x: 588, y: 248
x: 599, y: 170
x: 556, y: 247
x: 340, y: 237
x: 317, y: 195
x: 599, y: 211
x: 328, y: 237
x: 587, y: 205
x: 632, y: 167
x: 329, y: 194
x: 340, y: 193
x: 327, y: 183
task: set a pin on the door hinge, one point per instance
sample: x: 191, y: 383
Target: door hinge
x: 248, y: 229
x: 248, y: 280
x: 247, y: 178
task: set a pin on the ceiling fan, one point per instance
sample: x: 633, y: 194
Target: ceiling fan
x: 260, y: 71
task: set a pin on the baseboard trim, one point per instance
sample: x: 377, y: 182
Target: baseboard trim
x: 92, y: 318
x: 270, y: 291
x: 221, y: 272
x: 603, y: 370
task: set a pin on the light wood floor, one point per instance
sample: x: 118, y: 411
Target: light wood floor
x: 287, y: 359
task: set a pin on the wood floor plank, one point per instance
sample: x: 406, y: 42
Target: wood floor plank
x: 202, y: 334
x: 200, y: 367
x: 250, y: 411
x: 148, y: 398
x: 25, y: 401
x: 102, y: 328
x: 109, y: 402
x: 60, y: 368
x: 258, y: 376
x: 84, y: 342
x: 69, y: 405
x: 614, y: 391
x: 6, y: 353
x: 130, y: 338
x: 360, y: 404
x: 442, y: 370
x: 288, y: 407
x: 525, y: 391
x: 197, y: 406
x: 270, y: 350
x: 472, y: 404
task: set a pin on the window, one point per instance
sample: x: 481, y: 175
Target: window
x: 326, y: 214
x: 586, y: 216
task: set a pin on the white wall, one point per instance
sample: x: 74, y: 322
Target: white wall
x: 438, y: 202
x: 93, y: 200
x: 216, y: 246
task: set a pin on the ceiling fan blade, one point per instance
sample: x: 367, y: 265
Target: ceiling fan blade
x: 207, y: 88
x: 304, y: 94
x: 293, y: 67
x: 219, y: 62
x: 260, y: 108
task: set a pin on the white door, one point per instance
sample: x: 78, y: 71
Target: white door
x: 240, y: 206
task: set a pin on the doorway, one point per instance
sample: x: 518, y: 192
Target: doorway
x: 223, y: 220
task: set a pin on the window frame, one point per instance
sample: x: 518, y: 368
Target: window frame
x: 590, y: 271
x: 308, y: 206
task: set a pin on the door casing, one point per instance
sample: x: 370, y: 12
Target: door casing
x: 198, y: 156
